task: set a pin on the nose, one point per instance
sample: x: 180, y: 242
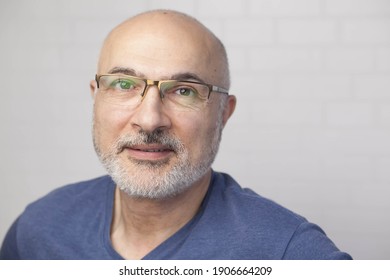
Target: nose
x: 150, y: 114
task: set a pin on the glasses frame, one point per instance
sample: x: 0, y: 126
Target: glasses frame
x: 158, y: 83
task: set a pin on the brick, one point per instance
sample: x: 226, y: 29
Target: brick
x: 285, y: 60
x: 313, y: 87
x: 349, y: 114
x: 81, y: 56
x: 244, y: 32
x: 357, y: 7
x: 382, y: 59
x: 382, y: 168
x: 225, y: 155
x: 291, y: 167
x: 84, y: 31
x: 242, y: 115
x: 220, y: 8
x: 115, y: 10
x: 346, y: 169
x: 350, y: 60
x: 23, y: 9
x: 237, y: 59
x: 269, y: 140
x: 250, y: 90
x: 38, y: 59
x: 254, y: 87
x: 285, y: 7
x: 38, y: 32
x: 355, y: 140
x: 366, y: 31
x: 384, y: 114
x: 372, y: 87
x: 187, y: 7
x: 287, y: 113
x: 293, y: 31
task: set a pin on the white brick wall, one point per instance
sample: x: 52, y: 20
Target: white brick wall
x: 382, y: 60
x: 384, y: 115
x: 215, y: 8
x: 307, y: 31
x: 349, y: 60
x: 357, y: 7
x: 372, y: 87
x: 312, y: 125
x: 348, y: 114
x: 245, y: 32
x: 366, y: 31
x: 315, y: 87
x: 289, y: 8
x: 282, y: 60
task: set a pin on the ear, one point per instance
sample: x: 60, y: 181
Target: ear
x: 229, y: 108
x: 93, y: 88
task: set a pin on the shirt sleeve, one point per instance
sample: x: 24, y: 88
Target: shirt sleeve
x: 309, y: 242
x: 9, y: 248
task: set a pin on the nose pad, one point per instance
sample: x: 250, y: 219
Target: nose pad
x: 150, y: 83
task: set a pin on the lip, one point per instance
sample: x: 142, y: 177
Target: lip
x: 149, y: 152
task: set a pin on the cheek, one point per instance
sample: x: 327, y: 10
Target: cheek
x: 108, y: 123
x: 196, y: 132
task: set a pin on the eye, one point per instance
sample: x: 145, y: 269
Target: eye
x: 185, y: 91
x: 123, y: 84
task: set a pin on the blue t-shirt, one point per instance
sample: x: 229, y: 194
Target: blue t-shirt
x: 73, y: 222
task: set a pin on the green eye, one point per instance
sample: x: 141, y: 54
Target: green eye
x: 121, y: 84
x: 185, y: 91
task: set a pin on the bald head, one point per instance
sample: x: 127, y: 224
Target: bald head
x: 160, y: 44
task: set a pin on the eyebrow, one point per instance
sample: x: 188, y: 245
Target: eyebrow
x: 125, y: 71
x: 185, y: 76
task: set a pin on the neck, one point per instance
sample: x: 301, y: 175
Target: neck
x: 140, y: 225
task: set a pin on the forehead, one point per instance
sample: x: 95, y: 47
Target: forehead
x: 159, y: 50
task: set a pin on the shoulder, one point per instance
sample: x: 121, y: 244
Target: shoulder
x: 53, y: 222
x: 269, y: 230
x: 251, y: 205
x: 68, y: 199
x: 70, y: 195
x: 78, y: 189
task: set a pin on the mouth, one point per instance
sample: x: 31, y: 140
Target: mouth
x: 151, y: 152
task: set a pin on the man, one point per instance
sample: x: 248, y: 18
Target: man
x: 160, y: 103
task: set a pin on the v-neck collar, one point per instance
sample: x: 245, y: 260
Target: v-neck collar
x: 167, y: 247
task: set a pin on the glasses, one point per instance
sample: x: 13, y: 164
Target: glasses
x: 178, y: 95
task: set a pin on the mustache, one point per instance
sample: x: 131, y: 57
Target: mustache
x: 146, y: 138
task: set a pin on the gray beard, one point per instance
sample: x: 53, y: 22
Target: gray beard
x: 156, y: 180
